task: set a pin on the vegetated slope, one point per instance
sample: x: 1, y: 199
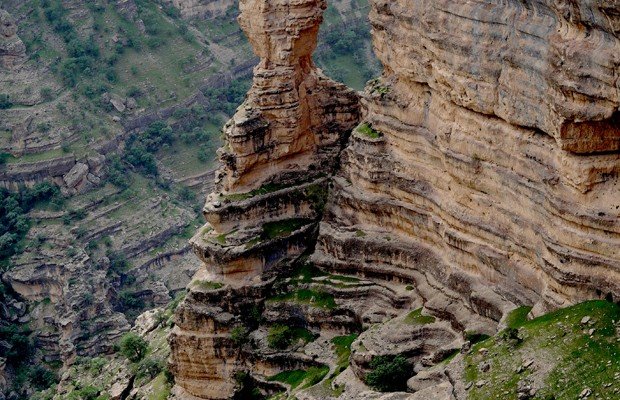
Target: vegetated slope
x: 567, y: 354
x: 119, y: 104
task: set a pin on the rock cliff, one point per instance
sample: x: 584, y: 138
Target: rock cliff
x: 502, y: 162
x: 270, y: 191
x: 484, y: 176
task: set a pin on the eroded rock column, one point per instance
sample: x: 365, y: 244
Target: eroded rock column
x: 282, y: 146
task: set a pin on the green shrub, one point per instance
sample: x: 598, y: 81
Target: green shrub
x: 279, y: 337
x: 282, y: 336
x: 133, y: 347
x: 5, y: 101
x: 239, y: 336
x: 130, y: 301
x: 96, y: 364
x: 118, y: 262
x: 19, y: 347
x: 47, y: 93
x: 14, y: 221
x: 149, y: 368
x: 117, y: 173
x: 41, y: 377
x: 389, y: 373
x: 186, y: 194
x: 246, y: 388
x: 4, y: 157
x: 85, y: 393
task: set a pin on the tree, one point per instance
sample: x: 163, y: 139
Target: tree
x: 389, y: 373
x: 133, y: 347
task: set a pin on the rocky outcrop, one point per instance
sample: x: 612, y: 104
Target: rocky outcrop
x: 532, y: 66
x: 281, y: 143
x: 485, y: 176
x: 270, y: 190
x: 12, y: 49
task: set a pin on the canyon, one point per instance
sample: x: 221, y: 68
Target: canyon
x: 89, y: 93
x: 478, y: 176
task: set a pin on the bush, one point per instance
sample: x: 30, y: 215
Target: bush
x: 86, y: 393
x: 47, y: 93
x: 96, y: 364
x: 246, y: 388
x: 4, y: 157
x: 389, y: 373
x: 149, y: 368
x: 5, y: 101
x: 280, y: 337
x: 239, y: 336
x: 141, y: 147
x: 133, y: 347
x: 14, y: 221
x: 186, y: 194
x: 42, y: 378
x: 19, y: 347
x: 129, y: 301
x: 117, y: 173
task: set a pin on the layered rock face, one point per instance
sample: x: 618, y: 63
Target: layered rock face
x: 494, y: 146
x: 270, y: 191
x: 485, y: 176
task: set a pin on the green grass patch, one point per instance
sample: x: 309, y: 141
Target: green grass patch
x: 346, y: 279
x: 301, y: 378
x: 161, y: 388
x: 305, y: 273
x: 576, y: 360
x: 518, y: 317
x: 222, y: 238
x: 308, y: 296
x: 208, y: 285
x: 342, y: 347
x: 367, y: 130
x: 276, y: 229
x: 415, y: 317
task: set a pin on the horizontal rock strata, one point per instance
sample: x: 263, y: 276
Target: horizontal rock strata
x: 281, y: 145
x: 485, y: 176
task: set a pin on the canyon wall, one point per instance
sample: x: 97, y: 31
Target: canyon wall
x: 485, y: 175
x: 496, y: 148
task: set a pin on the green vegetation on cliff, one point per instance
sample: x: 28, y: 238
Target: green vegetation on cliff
x: 564, y: 354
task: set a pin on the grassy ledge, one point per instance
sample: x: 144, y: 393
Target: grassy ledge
x: 568, y: 352
x: 366, y: 130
